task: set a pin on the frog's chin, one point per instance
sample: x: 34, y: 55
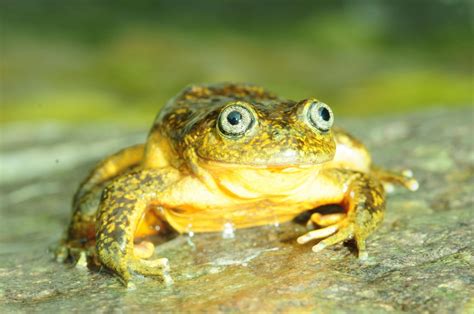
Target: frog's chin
x: 272, y: 167
x: 253, y: 181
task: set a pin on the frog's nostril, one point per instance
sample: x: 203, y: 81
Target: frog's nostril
x: 277, y: 134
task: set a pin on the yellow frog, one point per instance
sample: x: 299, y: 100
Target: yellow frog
x: 228, y: 153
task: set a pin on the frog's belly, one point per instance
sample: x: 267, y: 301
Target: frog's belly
x: 252, y: 214
x: 265, y: 211
x: 209, y: 211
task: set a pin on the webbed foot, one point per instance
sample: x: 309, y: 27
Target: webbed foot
x: 130, y: 263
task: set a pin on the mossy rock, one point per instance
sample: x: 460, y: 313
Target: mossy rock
x: 421, y: 259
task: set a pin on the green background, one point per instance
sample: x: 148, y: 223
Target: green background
x: 119, y: 61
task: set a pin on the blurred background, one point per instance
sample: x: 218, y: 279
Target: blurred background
x: 81, y: 79
x: 120, y: 61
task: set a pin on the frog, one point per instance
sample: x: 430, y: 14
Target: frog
x: 228, y: 153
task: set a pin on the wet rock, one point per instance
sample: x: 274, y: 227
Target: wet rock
x: 420, y: 260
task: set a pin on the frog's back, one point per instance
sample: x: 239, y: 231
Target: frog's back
x: 197, y: 95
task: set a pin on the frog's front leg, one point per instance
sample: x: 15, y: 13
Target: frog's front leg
x: 363, y: 198
x: 390, y: 178
x: 122, y: 205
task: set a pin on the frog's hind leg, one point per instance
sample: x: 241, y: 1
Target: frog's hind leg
x: 390, y: 178
x: 77, y: 245
x: 80, y: 235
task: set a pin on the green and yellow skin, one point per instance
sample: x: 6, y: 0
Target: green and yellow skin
x: 228, y: 153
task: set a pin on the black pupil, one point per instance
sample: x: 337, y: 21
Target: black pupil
x: 234, y: 117
x: 324, y: 113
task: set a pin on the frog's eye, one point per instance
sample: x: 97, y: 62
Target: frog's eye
x: 320, y: 115
x: 235, y: 120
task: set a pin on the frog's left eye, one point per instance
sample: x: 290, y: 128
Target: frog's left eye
x: 320, y: 115
x: 235, y: 120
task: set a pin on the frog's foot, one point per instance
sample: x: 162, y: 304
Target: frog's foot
x: 80, y: 256
x: 128, y: 263
x: 120, y: 213
x: 336, y: 233
x: 151, y: 268
x: 390, y: 178
x: 364, y: 203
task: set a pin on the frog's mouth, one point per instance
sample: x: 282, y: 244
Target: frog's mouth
x: 288, y: 161
x: 285, y: 159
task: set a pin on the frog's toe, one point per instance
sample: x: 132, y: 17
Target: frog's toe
x: 334, y: 234
x: 408, y: 180
x: 389, y: 178
x: 363, y: 255
x: 154, y: 267
x: 78, y: 256
x: 412, y: 185
x: 325, y: 220
x: 341, y: 235
x: 158, y: 268
x: 317, y: 234
x: 346, y: 232
x: 60, y: 252
x: 340, y: 229
x: 360, y: 242
x: 140, y: 263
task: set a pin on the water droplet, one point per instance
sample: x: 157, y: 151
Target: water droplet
x: 275, y: 219
x: 189, y: 236
x: 189, y: 231
x: 345, y: 187
x: 229, y: 231
x: 160, y: 210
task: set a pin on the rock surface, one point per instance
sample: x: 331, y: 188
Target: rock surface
x: 421, y: 259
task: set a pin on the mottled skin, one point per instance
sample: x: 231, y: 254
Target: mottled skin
x: 190, y: 176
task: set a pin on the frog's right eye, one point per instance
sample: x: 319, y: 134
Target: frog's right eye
x: 235, y: 120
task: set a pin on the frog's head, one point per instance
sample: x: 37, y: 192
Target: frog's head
x: 266, y: 133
